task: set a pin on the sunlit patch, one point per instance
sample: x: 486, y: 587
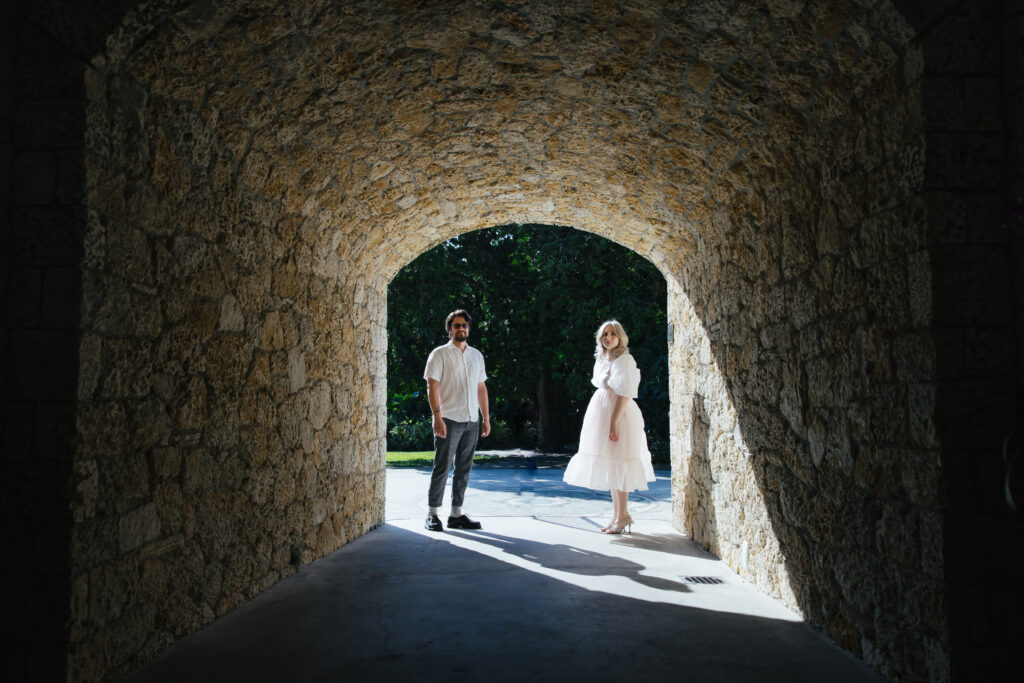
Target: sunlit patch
x: 656, y: 564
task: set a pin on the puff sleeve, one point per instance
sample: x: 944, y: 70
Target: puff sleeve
x: 600, y: 376
x: 624, y: 378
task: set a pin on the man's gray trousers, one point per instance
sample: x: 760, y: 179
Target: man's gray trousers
x: 459, y: 445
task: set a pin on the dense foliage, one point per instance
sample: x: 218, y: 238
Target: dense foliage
x: 537, y: 295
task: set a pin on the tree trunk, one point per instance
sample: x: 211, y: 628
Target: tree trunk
x: 550, y: 408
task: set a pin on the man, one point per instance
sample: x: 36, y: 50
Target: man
x: 456, y: 392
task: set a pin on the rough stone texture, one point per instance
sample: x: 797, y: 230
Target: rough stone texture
x: 818, y: 182
x: 804, y: 446
x: 238, y: 340
x: 294, y: 160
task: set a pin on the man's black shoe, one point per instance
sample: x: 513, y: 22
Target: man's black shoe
x: 433, y: 523
x: 462, y: 522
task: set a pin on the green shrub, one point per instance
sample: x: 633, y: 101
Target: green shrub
x: 500, y: 436
x: 412, y: 435
x: 527, y: 437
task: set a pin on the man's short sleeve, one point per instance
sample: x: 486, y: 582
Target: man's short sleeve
x: 435, y: 366
x: 483, y: 370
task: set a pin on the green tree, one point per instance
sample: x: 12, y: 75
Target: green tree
x: 537, y: 295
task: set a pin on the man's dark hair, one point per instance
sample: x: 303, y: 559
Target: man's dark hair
x: 454, y: 314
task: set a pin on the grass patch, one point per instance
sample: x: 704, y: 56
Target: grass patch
x: 426, y: 458
x: 410, y: 458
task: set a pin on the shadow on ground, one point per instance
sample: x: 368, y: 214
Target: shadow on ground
x: 397, y: 605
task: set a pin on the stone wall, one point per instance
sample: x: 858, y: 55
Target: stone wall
x: 209, y: 201
x: 230, y: 403
x: 806, y: 363
x: 367, y: 159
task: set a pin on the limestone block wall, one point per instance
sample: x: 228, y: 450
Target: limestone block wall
x: 804, y: 449
x: 230, y: 405
x: 206, y: 218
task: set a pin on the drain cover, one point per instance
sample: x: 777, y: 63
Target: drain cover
x: 702, y: 579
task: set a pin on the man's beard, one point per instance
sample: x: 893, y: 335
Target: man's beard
x: 460, y: 336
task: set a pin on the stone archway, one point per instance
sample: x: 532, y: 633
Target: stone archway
x: 256, y: 172
x: 294, y: 160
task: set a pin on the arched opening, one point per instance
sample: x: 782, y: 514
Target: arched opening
x: 536, y: 293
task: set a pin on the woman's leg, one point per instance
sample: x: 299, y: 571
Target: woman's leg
x: 615, y: 512
x: 621, y: 515
x: 621, y: 501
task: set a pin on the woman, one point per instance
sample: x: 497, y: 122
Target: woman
x: 613, y: 453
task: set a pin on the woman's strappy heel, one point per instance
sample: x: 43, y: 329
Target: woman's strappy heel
x: 626, y: 525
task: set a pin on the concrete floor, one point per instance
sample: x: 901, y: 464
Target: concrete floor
x: 538, y: 594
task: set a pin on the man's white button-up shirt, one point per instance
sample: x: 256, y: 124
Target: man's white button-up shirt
x: 457, y: 373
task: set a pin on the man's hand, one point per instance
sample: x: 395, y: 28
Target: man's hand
x: 485, y: 409
x: 440, y: 428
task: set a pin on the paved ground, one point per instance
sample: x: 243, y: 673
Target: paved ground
x: 524, y: 486
x: 538, y: 594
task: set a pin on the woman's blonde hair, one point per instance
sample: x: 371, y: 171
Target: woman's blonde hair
x: 618, y: 350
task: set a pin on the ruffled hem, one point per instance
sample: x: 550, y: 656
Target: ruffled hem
x: 594, y: 472
x: 605, y: 465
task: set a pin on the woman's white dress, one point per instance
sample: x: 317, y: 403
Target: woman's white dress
x: 603, y: 464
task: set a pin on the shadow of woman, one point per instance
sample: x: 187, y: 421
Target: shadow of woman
x: 672, y: 543
x: 567, y: 558
x: 665, y: 543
